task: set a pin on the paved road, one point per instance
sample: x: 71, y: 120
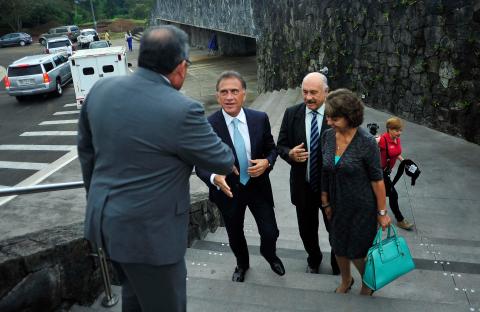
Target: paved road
x: 36, y: 133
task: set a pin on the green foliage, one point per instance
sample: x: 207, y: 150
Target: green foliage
x: 19, y: 14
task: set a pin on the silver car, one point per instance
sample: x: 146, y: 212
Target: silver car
x: 38, y: 74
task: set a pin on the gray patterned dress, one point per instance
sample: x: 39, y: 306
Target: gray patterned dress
x: 348, y: 183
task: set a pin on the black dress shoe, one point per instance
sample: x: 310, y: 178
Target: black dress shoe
x: 277, y: 267
x: 239, y: 274
x: 313, y: 270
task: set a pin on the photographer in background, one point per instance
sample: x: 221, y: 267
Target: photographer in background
x: 390, y: 151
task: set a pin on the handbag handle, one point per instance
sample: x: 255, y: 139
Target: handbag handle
x: 378, y: 238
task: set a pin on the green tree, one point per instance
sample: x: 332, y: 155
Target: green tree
x: 14, y: 13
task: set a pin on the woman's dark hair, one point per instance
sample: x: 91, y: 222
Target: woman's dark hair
x: 231, y: 74
x: 345, y: 103
x: 162, y: 48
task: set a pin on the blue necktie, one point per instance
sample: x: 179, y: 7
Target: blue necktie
x: 241, y: 151
x: 314, y: 141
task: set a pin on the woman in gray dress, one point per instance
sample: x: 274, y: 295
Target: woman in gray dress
x: 353, y: 192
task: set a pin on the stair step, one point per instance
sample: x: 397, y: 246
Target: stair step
x: 422, y: 285
x: 280, y: 299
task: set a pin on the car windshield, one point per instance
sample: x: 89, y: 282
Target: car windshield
x: 24, y: 70
x: 88, y: 32
x: 58, y: 44
x: 98, y: 44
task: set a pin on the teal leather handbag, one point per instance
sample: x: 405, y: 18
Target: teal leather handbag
x: 387, y: 259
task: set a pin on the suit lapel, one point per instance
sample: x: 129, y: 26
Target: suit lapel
x: 252, y: 132
x: 299, y: 120
x: 220, y: 126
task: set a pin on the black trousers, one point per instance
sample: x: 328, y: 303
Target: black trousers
x: 234, y: 216
x: 149, y: 288
x: 392, y: 198
x: 308, y: 223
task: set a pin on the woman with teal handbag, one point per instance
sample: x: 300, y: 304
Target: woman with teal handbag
x: 353, y: 192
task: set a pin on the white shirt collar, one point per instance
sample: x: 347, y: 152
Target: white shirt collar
x: 241, y: 117
x: 321, y: 110
x: 166, y: 79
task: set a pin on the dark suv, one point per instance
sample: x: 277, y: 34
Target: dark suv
x: 13, y: 39
x: 71, y: 31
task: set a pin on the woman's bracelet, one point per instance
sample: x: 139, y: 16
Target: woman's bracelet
x: 326, y: 206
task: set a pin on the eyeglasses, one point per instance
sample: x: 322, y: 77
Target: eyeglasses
x: 188, y: 62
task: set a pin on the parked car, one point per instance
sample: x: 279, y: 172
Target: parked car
x: 86, y: 36
x: 13, y: 39
x: 71, y: 31
x: 38, y: 74
x: 61, y: 44
x: 98, y: 44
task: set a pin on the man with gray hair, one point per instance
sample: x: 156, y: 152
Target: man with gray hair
x: 138, y: 140
x: 299, y: 145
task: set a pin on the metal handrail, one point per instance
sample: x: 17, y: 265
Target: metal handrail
x: 110, y: 298
x: 21, y: 190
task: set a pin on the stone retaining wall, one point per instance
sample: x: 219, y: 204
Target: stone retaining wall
x: 53, y: 269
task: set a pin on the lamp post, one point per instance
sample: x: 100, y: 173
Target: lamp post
x: 93, y: 15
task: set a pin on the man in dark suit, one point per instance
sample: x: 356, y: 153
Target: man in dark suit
x: 248, y: 133
x: 299, y: 145
x: 138, y: 140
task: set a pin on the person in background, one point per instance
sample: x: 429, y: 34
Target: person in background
x: 136, y: 163
x: 390, y: 151
x: 353, y: 192
x: 248, y: 133
x: 299, y: 145
x: 107, y: 37
x: 129, y: 40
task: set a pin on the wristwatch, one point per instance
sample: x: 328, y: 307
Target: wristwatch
x: 382, y: 212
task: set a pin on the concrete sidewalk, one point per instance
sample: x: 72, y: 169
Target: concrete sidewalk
x: 445, y: 243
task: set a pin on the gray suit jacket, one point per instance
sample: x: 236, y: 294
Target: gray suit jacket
x: 138, y: 140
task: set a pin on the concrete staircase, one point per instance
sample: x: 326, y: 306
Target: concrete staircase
x: 433, y: 286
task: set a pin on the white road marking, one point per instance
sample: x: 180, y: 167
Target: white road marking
x: 44, y: 173
x: 3, y: 72
x: 49, y: 133
x: 22, y: 165
x: 58, y: 122
x: 32, y: 147
x: 70, y: 105
x: 66, y: 113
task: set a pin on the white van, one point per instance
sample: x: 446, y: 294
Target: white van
x: 90, y: 65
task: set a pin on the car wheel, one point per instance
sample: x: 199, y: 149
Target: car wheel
x: 58, y: 88
x: 42, y: 42
x: 20, y: 98
x: 21, y: 43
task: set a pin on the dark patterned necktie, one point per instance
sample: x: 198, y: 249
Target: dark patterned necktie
x: 314, y: 141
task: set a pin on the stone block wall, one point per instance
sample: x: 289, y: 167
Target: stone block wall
x: 52, y: 269
x: 417, y: 59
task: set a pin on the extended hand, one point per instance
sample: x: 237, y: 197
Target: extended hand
x: 328, y: 213
x: 220, y: 181
x: 258, y: 167
x: 298, y: 153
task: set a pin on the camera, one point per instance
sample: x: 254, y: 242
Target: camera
x: 373, y: 128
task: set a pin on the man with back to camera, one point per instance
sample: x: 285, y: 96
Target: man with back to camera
x: 138, y: 141
x: 248, y: 133
x: 299, y: 145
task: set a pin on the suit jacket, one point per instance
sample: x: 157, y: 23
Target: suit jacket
x: 262, y: 146
x: 292, y: 133
x: 138, y: 140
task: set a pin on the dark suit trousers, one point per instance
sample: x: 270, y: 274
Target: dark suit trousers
x: 149, y: 288
x: 262, y: 211
x: 308, y: 222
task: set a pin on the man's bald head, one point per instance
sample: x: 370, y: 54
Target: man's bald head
x: 162, y: 48
x: 316, y: 78
x: 315, y: 90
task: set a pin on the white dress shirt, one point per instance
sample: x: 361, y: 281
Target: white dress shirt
x: 308, y: 128
x: 242, y: 128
